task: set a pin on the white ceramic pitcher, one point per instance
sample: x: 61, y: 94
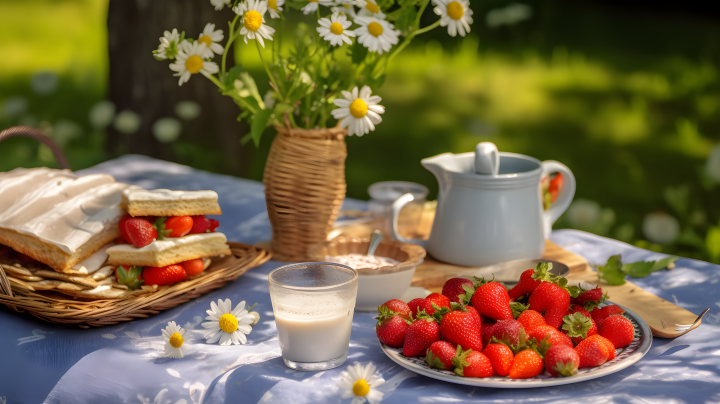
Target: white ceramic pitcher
x: 489, y: 206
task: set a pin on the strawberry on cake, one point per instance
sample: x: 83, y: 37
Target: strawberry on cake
x: 165, y: 249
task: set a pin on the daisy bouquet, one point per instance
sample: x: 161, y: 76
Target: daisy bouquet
x: 327, y: 76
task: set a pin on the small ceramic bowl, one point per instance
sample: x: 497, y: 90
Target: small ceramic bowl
x: 376, y: 286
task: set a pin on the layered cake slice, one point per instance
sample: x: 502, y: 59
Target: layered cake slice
x: 56, y: 217
x: 164, y: 249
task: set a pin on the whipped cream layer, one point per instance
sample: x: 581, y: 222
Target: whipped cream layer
x: 137, y: 194
x: 57, y: 206
x: 168, y: 243
x: 357, y: 261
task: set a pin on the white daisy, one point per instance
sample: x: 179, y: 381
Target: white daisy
x: 359, y: 113
x: 375, y: 34
x: 226, y: 325
x: 369, y: 8
x: 253, y: 22
x: 334, y: 29
x: 312, y: 5
x: 190, y: 61
x: 361, y: 382
x: 210, y: 37
x: 344, y: 9
x: 219, y: 4
x: 173, y: 335
x: 240, y: 8
x: 454, y: 14
x: 168, y: 48
x: 274, y: 6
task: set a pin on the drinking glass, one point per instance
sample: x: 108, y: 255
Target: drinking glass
x: 313, y: 304
x: 383, y: 195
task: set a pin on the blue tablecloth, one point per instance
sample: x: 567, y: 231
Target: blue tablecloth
x: 40, y: 362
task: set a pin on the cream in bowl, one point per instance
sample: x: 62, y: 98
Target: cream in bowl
x: 381, y: 277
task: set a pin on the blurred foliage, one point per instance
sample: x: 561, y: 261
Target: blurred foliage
x: 627, y: 97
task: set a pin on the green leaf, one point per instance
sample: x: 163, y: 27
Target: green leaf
x: 433, y: 361
x: 517, y: 308
x: 576, y: 325
x: 642, y: 269
x: 358, y: 52
x: 406, y: 19
x: 466, y: 297
x: 159, y: 226
x: 232, y: 75
x: 611, y: 272
x: 259, y: 123
x: 130, y: 277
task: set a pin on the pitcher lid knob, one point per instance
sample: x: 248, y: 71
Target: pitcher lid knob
x: 487, y: 159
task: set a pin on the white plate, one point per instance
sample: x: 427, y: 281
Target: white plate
x: 625, y: 357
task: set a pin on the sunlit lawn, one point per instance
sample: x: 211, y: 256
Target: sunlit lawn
x: 632, y: 125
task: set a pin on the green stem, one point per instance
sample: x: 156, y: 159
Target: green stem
x: 216, y: 82
x: 410, y: 36
x: 231, y: 38
x: 267, y: 69
x: 420, y: 12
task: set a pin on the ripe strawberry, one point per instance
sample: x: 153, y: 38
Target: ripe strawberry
x: 526, y: 364
x: 561, y: 360
x: 576, y: 308
x: 501, y: 357
x: 554, y: 336
x: 592, y: 352
x: 193, y: 267
x: 578, y: 327
x: 140, y: 232
x: 607, y: 343
x: 420, y: 335
x: 438, y: 300
x: 178, y: 225
x: 492, y: 300
x: 487, y: 333
x: 530, y: 319
x: 553, y: 301
x: 461, y: 327
x: 392, y: 331
x: 121, y: 226
x: 507, y: 332
x: 618, y: 330
x: 599, y: 315
x: 201, y: 224
x: 131, y: 277
x: 394, y: 307
x: 417, y: 305
x: 454, y: 288
x: 440, y: 355
x: 531, y: 279
x: 472, y: 364
x: 164, y: 275
x: 590, y: 299
x: 213, y: 225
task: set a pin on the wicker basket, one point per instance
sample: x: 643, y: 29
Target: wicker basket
x: 60, y: 309
x: 304, y: 188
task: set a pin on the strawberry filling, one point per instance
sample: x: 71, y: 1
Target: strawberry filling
x: 143, y: 230
x: 134, y: 277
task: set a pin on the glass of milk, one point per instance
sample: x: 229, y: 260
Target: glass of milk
x: 313, y: 304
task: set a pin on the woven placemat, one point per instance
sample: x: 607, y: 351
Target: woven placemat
x: 76, y: 312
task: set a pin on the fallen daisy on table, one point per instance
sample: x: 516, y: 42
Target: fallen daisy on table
x: 173, y: 335
x: 227, y: 325
x: 361, y: 382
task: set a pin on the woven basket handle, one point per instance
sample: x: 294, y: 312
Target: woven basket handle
x: 26, y: 131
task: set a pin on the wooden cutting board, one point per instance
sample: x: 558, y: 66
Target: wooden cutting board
x: 662, y: 316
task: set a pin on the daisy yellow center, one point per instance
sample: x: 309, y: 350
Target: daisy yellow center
x: 361, y: 388
x: 336, y: 28
x: 253, y: 20
x: 358, y: 108
x: 193, y: 64
x: 228, y: 323
x: 373, y: 8
x: 455, y: 10
x: 375, y: 29
x: 176, y: 340
x: 272, y: 4
x: 312, y: 1
x: 205, y: 39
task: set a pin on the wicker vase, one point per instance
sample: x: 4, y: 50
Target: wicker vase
x: 304, y: 188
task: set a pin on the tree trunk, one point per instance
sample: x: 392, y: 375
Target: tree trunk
x: 147, y: 87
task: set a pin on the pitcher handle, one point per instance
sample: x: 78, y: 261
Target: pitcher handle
x: 563, y: 200
x: 396, y: 208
